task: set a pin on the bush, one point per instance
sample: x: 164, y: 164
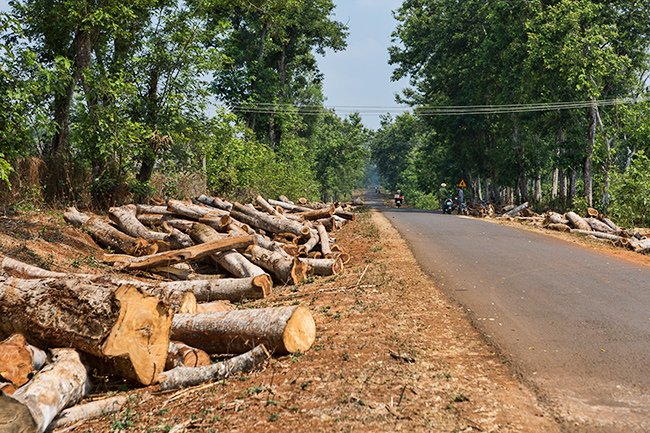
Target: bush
x: 630, y: 194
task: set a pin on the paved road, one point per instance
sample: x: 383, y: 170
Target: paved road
x: 574, y: 321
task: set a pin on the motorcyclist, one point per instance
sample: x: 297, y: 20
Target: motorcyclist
x: 460, y: 200
x: 399, y: 198
x: 442, y: 195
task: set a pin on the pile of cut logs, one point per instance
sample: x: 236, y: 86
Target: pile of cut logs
x: 594, y: 225
x: 160, y: 324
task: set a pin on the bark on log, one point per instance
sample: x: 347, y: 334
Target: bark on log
x: 87, y: 411
x: 266, y: 222
x: 312, y: 215
x: 339, y: 212
x: 177, y: 256
x: 119, y: 324
x: 16, y: 268
x: 228, y: 289
x: 214, y: 307
x: 192, y: 210
x: 108, y: 235
x: 215, y: 202
x: 182, y: 355
x: 289, y: 206
x: 149, y: 209
x: 324, y: 241
x: 282, y: 330
x: 324, y: 267
x: 598, y: 225
x: 558, y: 227
x: 608, y: 236
x: 611, y: 225
x: 515, y: 211
x: 267, y: 207
x: 285, y: 269
x: 125, y: 218
x: 285, y: 199
x: 577, y: 221
x: 312, y: 241
x: 33, y: 407
x: 555, y: 218
x: 18, y: 360
x: 183, y: 377
x: 591, y: 212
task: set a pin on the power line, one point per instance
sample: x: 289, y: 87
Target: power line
x: 431, y: 110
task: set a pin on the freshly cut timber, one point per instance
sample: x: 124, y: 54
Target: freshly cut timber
x: 192, y: 210
x: 324, y: 267
x: 214, y: 307
x: 87, y: 411
x: 515, y: 211
x: 592, y: 212
x: 598, y: 225
x: 182, y: 377
x: 339, y: 212
x: 266, y: 222
x: 608, y: 236
x: 316, y: 214
x: 312, y: 241
x: 125, y: 217
x: 107, y: 235
x: 18, y: 360
x: 324, y: 240
x: 149, y: 209
x: 177, y: 256
x: 267, y: 207
x: 214, y: 202
x: 16, y: 268
x: 559, y: 227
x: 228, y: 289
x: 555, y: 218
x: 289, y: 206
x: 611, y: 225
x: 182, y: 355
x: 118, y: 324
x: 33, y: 407
x: 577, y: 221
x: 287, y: 270
x: 281, y: 329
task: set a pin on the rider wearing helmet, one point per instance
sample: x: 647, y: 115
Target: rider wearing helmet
x: 442, y: 194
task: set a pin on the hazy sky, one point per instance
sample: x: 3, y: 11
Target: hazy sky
x: 361, y: 74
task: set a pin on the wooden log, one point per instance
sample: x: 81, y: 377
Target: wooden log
x: 287, y: 270
x: 324, y: 240
x: 125, y: 217
x: 18, y: 360
x: 558, y: 227
x: 182, y: 355
x: 177, y: 256
x: 176, y: 238
x: 118, y: 324
x: 215, y: 202
x: 598, y: 225
x: 555, y: 218
x: 285, y: 199
x: 228, y: 289
x: 608, y: 236
x: 281, y: 329
x: 612, y: 226
x: 267, y: 207
x: 108, y: 235
x: 193, y: 211
x: 593, y: 213
x: 317, y: 214
x: 266, y: 222
x: 270, y: 245
x: 84, y: 412
x: 324, y: 267
x: 577, y: 221
x: 33, y: 407
x: 289, y: 206
x: 339, y: 212
x: 214, y: 307
x: 149, y: 209
x: 182, y: 377
x: 313, y: 240
x: 218, y: 222
x: 516, y: 210
x: 17, y: 268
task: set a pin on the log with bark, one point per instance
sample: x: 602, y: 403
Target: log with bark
x: 577, y: 221
x: 282, y: 330
x: 324, y: 267
x: 17, y: 268
x: 288, y: 206
x: 81, y: 413
x: 516, y: 210
x: 214, y: 307
x: 182, y: 377
x: 598, y: 225
x: 228, y: 289
x: 558, y: 227
x: 193, y: 211
x: 215, y: 202
x: 267, y: 207
x: 182, y: 355
x: 555, y: 218
x: 266, y: 222
x: 33, y: 407
x: 287, y: 270
x: 177, y: 256
x: 19, y: 360
x: 339, y: 212
x: 324, y: 240
x: 608, y: 236
x: 316, y: 214
x: 109, y: 236
x: 125, y: 217
x: 119, y: 324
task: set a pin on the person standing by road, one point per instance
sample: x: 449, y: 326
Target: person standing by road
x: 461, y: 195
x: 442, y: 195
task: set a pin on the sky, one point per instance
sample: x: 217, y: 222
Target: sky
x: 360, y: 75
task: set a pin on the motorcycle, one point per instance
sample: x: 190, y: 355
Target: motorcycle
x: 447, y: 206
x: 399, y: 201
x: 460, y: 207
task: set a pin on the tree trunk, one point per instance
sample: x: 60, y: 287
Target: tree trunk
x: 324, y: 241
x: 324, y: 267
x: 286, y: 270
x: 87, y: 411
x: 607, y: 236
x: 515, y: 211
x: 558, y: 227
x: 182, y: 377
x: 193, y: 211
x: 598, y: 225
x: 555, y: 218
x: 563, y: 188
x: 18, y: 360
x: 572, y: 188
x: 178, y: 256
x: 577, y: 221
x: 266, y: 222
x: 317, y: 214
x: 289, y: 206
x: 587, y: 170
x: 33, y: 407
x: 182, y: 355
x: 282, y: 330
x: 117, y: 323
x: 267, y: 207
x: 538, y: 189
x: 215, y: 202
x: 227, y: 289
x: 108, y: 235
x: 215, y: 307
x: 125, y: 218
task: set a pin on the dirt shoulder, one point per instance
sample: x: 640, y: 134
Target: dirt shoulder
x: 392, y: 354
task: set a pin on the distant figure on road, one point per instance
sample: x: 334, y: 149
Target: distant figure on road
x: 461, y: 195
x: 442, y: 194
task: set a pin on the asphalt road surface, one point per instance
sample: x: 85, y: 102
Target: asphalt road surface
x: 573, y: 321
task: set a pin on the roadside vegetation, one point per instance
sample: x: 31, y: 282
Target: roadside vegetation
x: 523, y: 52
x: 101, y: 102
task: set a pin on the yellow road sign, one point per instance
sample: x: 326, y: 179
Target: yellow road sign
x: 462, y: 183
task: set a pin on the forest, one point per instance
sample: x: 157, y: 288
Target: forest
x: 544, y: 101
x: 106, y: 101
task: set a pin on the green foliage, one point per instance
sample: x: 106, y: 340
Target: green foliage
x: 631, y: 194
x: 5, y: 170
